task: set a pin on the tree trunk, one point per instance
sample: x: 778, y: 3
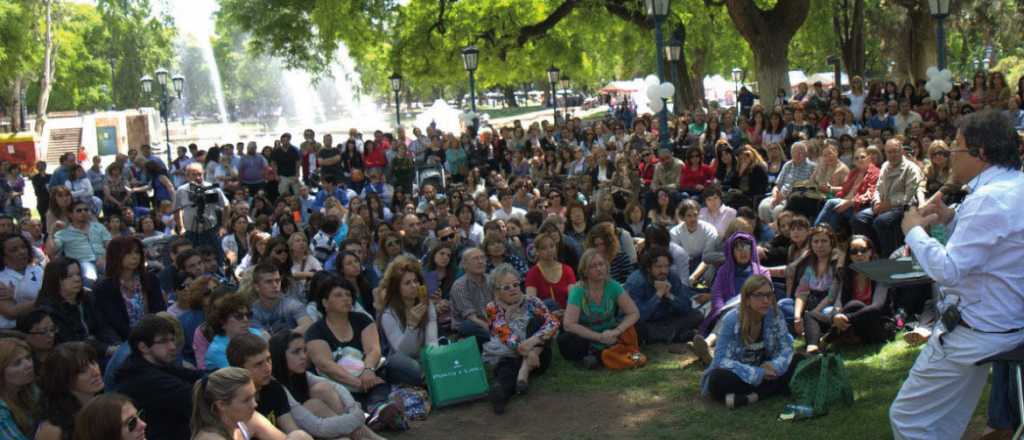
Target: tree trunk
x: 684, y: 98
x: 916, y: 50
x: 768, y: 32
x: 46, y: 80
x: 848, y: 24
x: 510, y: 96
x: 700, y: 57
x: 14, y: 104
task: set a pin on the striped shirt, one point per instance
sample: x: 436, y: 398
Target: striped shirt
x: 792, y: 173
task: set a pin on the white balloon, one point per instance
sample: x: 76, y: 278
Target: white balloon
x: 667, y: 89
x: 946, y: 75
x: 946, y: 86
x: 933, y: 90
x: 932, y: 72
x: 653, y: 92
x: 652, y: 80
x: 656, y: 105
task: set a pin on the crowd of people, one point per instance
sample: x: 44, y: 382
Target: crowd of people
x: 288, y: 291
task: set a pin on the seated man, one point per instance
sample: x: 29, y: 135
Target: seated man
x: 470, y: 296
x: 84, y: 239
x: 666, y: 314
x: 900, y: 183
x: 272, y: 311
x: 796, y: 170
x: 155, y: 384
x: 252, y: 353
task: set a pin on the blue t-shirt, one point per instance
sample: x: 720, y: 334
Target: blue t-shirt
x: 217, y: 352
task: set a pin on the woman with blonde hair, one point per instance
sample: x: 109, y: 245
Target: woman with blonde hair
x: 592, y: 315
x: 18, y: 397
x: 224, y: 408
x: 59, y: 213
x: 936, y: 172
x: 408, y: 319
x: 775, y: 158
x: 754, y: 355
x: 549, y: 279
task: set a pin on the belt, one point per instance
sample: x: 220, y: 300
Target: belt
x: 964, y: 324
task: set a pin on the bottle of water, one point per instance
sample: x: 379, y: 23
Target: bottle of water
x: 938, y: 232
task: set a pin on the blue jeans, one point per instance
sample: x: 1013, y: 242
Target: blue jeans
x: 788, y: 308
x: 1002, y: 399
x: 829, y: 215
x: 466, y: 328
x: 884, y: 229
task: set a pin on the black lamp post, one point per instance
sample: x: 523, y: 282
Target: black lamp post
x: 564, y: 82
x: 658, y: 10
x: 396, y: 86
x: 672, y: 52
x: 737, y: 78
x: 178, y: 83
x: 470, y: 58
x: 553, y: 74
x: 940, y: 10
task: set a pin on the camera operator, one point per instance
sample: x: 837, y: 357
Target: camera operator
x: 198, y: 207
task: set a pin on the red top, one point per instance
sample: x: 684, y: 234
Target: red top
x: 864, y: 294
x: 865, y: 192
x: 559, y: 291
x: 691, y: 177
x: 375, y: 158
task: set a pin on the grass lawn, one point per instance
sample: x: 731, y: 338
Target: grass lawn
x: 662, y: 401
x: 510, y: 111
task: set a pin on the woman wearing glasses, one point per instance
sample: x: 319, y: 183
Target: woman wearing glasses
x: 754, y: 357
x: 69, y: 379
x: 863, y: 305
x: 521, y: 331
x: 109, y: 417
x: 856, y: 192
x: 230, y: 316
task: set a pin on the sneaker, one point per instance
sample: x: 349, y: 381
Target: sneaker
x: 387, y: 417
x: 522, y: 387
x: 591, y: 362
x: 701, y: 349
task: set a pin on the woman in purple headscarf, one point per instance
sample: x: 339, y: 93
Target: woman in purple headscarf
x: 740, y: 263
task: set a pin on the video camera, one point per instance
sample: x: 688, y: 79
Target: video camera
x: 203, y: 194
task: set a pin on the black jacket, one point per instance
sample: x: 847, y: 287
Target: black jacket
x: 111, y: 312
x: 164, y: 394
x: 75, y: 322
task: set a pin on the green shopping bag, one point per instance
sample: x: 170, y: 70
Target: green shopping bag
x: 455, y: 372
x: 820, y: 382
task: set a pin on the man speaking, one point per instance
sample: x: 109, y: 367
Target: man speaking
x: 978, y: 273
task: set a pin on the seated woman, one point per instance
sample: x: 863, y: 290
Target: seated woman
x: 741, y: 262
x: 127, y: 293
x: 817, y: 288
x: 863, y: 305
x: 345, y: 346
x: 604, y: 239
x: 69, y: 305
x: 18, y: 397
x: 20, y: 278
x: 224, y: 408
x: 68, y: 379
x: 39, y: 331
x: 592, y: 315
x: 549, y: 279
x: 109, y: 417
x: 521, y: 329
x: 855, y: 194
x: 754, y: 358
x: 229, y: 317
x: 332, y: 411
x: 409, y: 319
x: 497, y: 253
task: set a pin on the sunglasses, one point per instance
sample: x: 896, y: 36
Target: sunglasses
x: 391, y: 243
x: 133, y: 421
x: 860, y: 251
x: 509, y: 287
x: 448, y: 237
x: 81, y: 210
x: 242, y: 316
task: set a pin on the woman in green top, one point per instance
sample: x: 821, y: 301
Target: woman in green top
x: 592, y: 315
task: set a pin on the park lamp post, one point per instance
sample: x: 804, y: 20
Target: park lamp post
x: 564, y: 82
x: 986, y: 63
x: 178, y: 83
x: 658, y: 10
x: 940, y: 10
x: 396, y: 86
x: 737, y: 78
x: 553, y: 74
x: 672, y: 53
x: 470, y: 58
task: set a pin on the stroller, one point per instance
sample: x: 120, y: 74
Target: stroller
x: 430, y: 173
